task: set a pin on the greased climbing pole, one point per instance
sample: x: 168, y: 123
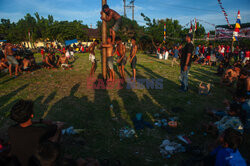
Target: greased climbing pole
x: 104, y: 40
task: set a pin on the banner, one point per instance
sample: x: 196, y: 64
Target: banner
x: 225, y: 33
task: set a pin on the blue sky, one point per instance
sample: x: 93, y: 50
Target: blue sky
x: 89, y: 10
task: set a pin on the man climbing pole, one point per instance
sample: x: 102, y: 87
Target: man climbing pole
x: 111, y: 14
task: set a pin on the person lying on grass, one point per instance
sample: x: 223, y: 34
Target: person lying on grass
x: 233, y: 118
x: 63, y: 60
x: 26, y: 135
x: 227, y: 152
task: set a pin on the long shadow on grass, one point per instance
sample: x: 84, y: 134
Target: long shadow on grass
x: 4, y: 99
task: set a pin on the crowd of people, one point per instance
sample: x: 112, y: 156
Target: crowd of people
x: 21, y: 59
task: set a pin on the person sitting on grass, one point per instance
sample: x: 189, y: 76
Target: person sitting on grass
x: 111, y: 14
x: 50, y: 61
x: 26, y: 64
x: 3, y: 62
x: 63, y: 60
x: 110, y: 58
x: 227, y: 153
x: 220, y: 70
x: 26, y: 135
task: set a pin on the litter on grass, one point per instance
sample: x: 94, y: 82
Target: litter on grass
x: 168, y: 148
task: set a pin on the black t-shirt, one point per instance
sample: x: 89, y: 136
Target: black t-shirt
x: 25, y: 140
x: 189, y: 48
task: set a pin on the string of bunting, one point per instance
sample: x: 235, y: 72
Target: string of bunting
x: 224, y: 12
x: 206, y: 22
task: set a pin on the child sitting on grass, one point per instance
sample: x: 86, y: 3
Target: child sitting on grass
x: 227, y: 153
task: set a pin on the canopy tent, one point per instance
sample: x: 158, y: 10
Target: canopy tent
x: 69, y: 42
x: 3, y: 40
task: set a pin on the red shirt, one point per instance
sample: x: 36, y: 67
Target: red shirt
x: 42, y: 51
x: 247, y: 54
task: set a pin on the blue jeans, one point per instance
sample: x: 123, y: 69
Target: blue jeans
x: 184, y: 78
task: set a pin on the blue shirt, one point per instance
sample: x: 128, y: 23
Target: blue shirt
x: 228, y: 157
x: 176, y: 53
x: 197, y: 51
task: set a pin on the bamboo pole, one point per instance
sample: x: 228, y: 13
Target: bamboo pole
x: 104, y: 40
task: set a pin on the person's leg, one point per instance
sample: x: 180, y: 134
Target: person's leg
x: 123, y: 72
x: 113, y: 74
x: 112, y: 33
x: 10, y: 67
x: 120, y: 70
x: 110, y: 75
x: 134, y: 73
x: 172, y: 63
x: 16, y: 70
x: 185, y: 79
x: 182, y: 78
x: 92, y: 69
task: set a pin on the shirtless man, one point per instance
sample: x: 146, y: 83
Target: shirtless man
x: 122, y: 59
x: 11, y: 59
x: 63, y: 60
x: 110, y: 58
x: 111, y: 14
x: 91, y: 50
x: 26, y: 64
x: 49, y: 60
x: 133, y: 58
x: 157, y: 47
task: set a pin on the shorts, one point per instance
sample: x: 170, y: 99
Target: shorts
x: 133, y: 63
x: 117, y: 24
x: 123, y: 62
x: 208, y: 57
x: 12, y: 60
x: 26, y: 69
x: 110, y: 62
x: 92, y: 58
x: 64, y: 65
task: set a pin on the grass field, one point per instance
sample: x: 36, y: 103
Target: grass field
x: 62, y: 95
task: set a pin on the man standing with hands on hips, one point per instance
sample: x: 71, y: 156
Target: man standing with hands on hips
x: 186, y: 62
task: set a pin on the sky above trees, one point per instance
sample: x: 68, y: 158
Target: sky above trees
x: 89, y: 11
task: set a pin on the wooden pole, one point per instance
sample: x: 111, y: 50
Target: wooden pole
x: 104, y: 41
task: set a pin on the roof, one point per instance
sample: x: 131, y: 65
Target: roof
x: 243, y: 25
x: 93, y: 33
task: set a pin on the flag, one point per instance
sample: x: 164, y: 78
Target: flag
x: 195, y: 25
x: 191, y: 27
x: 165, y: 32
x: 237, y: 27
